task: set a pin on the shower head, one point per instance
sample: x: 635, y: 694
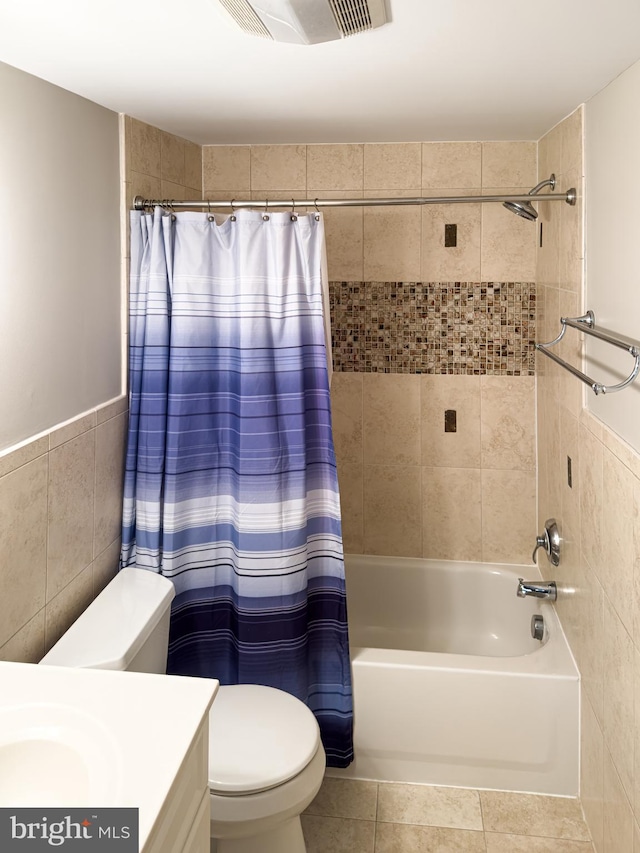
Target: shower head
x: 524, y: 208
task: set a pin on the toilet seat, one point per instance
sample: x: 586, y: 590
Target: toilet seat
x: 259, y: 738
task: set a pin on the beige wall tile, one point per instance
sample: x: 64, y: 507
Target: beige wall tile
x: 110, y: 454
x: 344, y: 235
x: 498, y: 843
x: 399, y: 838
x: 352, y: 798
x: 173, y: 192
x: 570, y: 259
x: 591, y: 487
x: 570, y: 390
x: 71, y: 499
x: 351, y: 481
x: 460, y: 449
x: 20, y: 456
x: 23, y: 545
x: 452, y: 513
x: 392, y: 510
x: 571, y: 133
x: 616, y: 566
x: 393, y: 166
x: 274, y: 167
x: 620, y: 449
x: 508, y: 516
x: 27, y: 644
x: 451, y: 263
x: 144, y: 152
x: 570, y: 447
x: 619, y: 696
x: 618, y: 817
x: 428, y: 805
x: 72, y: 430
x: 588, y: 642
x: 148, y: 186
x: 592, y: 423
x: 226, y: 167
x: 391, y: 419
x: 451, y: 165
x: 592, y: 771
x: 172, y: 158
x: 550, y: 153
x: 346, y: 415
x: 636, y: 567
x: 339, y: 835
x: 508, y: 241
x: 509, y: 164
x: 548, y: 254
x: 193, y: 165
x: 105, y: 567
x: 528, y: 814
x: 392, y: 243
x: 63, y: 610
x: 568, y: 576
x: 508, y: 422
x: 635, y: 798
x: 335, y: 167
x: 110, y: 410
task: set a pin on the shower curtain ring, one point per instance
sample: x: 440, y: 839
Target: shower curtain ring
x: 293, y: 217
x: 233, y: 212
x: 266, y: 207
x: 172, y: 211
x: 210, y: 217
x: 317, y: 216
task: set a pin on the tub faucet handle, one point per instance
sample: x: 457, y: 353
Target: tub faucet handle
x: 550, y: 541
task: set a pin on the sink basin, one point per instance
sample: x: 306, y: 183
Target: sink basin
x: 56, y: 755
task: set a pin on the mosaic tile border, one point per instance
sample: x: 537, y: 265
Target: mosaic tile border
x: 469, y: 328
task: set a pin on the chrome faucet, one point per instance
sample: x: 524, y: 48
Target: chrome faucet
x: 538, y: 589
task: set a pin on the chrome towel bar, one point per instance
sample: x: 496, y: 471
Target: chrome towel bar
x: 587, y: 324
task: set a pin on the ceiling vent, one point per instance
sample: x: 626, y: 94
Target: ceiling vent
x: 306, y: 21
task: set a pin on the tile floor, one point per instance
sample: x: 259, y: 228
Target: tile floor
x: 352, y: 816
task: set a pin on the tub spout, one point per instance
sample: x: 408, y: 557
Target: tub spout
x: 538, y: 589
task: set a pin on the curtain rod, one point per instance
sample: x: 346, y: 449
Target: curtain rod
x: 140, y: 203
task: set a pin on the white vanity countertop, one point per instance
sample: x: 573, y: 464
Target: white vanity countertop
x: 120, y: 737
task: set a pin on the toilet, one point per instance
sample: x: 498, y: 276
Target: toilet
x: 266, y: 760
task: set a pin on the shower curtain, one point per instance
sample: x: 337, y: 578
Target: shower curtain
x: 231, y: 487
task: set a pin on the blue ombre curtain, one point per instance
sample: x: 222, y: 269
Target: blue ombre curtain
x: 231, y: 488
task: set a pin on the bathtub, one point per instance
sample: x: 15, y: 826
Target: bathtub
x: 450, y: 688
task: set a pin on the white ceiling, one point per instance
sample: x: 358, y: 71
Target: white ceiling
x: 441, y: 70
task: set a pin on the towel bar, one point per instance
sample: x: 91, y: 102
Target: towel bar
x: 587, y: 324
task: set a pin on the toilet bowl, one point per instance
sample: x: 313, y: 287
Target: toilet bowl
x: 263, y: 776
x: 266, y: 760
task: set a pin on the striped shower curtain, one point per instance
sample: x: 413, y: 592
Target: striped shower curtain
x: 231, y: 488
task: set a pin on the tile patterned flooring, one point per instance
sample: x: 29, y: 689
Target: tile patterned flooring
x: 353, y: 816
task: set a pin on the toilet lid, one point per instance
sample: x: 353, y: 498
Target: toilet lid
x: 259, y: 737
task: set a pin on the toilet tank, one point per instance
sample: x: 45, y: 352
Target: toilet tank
x: 126, y: 627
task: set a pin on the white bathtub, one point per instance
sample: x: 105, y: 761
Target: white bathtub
x: 449, y: 686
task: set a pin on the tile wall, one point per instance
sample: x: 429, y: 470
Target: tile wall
x: 408, y: 488
x: 599, y: 520
x: 61, y: 494
x: 159, y: 165
x: 60, y: 515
